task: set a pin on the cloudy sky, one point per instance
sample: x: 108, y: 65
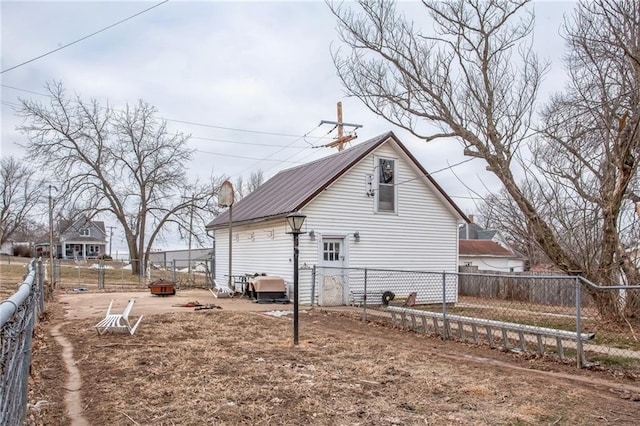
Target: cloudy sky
x: 249, y: 81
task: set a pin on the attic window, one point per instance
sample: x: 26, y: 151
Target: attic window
x: 386, y: 194
x: 85, y: 232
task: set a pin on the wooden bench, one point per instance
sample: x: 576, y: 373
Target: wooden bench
x: 118, y: 323
x: 471, y: 328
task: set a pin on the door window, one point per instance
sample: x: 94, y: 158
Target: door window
x: 331, y: 251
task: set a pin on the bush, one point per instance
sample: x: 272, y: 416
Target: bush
x: 21, y: 251
x: 105, y: 257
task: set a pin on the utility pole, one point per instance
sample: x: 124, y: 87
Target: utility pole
x: 341, y: 139
x: 190, y: 234
x: 111, y: 228
x: 51, y: 278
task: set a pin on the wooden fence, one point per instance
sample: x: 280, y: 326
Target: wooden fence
x: 535, y: 287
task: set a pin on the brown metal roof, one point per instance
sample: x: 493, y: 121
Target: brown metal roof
x: 290, y: 190
x: 482, y: 248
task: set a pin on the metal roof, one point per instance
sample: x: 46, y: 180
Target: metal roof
x: 483, y: 248
x: 290, y: 190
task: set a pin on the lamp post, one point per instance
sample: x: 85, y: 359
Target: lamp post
x: 295, y: 221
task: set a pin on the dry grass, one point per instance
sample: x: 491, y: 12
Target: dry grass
x: 223, y: 367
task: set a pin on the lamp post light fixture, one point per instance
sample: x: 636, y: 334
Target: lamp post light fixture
x: 295, y: 221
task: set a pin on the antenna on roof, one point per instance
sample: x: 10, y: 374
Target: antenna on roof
x: 341, y: 139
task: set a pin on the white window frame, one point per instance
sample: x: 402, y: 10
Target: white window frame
x: 376, y: 179
x: 85, y: 232
x: 332, y: 251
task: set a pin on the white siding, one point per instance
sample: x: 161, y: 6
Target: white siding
x: 264, y: 248
x: 421, y: 236
x: 7, y: 248
x: 490, y: 263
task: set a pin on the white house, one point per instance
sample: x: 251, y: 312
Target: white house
x: 7, y: 247
x: 487, y: 250
x: 372, y: 205
x: 81, y: 239
x: 488, y: 255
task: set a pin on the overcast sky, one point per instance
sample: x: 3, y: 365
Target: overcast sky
x: 247, y: 80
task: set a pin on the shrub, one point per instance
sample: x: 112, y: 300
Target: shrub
x: 21, y: 251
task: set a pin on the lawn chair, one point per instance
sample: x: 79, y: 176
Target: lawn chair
x: 220, y: 291
x: 118, y: 323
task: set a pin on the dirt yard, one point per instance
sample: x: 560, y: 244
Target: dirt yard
x: 237, y: 366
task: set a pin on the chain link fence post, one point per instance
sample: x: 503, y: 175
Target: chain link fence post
x: 56, y: 271
x: 101, y: 274
x: 445, y: 321
x: 40, y: 288
x: 364, y: 301
x: 313, y: 285
x: 173, y: 270
x: 579, y: 350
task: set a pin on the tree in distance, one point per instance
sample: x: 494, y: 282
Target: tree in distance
x: 120, y: 162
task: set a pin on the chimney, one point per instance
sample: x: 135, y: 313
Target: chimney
x: 470, y: 218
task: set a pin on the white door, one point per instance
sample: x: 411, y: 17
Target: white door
x: 332, y: 282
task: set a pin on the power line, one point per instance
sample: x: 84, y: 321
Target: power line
x: 83, y: 38
x: 235, y: 129
x: 239, y: 142
x: 436, y: 171
x: 280, y: 150
x: 244, y: 158
x: 13, y: 104
x: 192, y: 123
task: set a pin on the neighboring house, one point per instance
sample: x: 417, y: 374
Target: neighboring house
x: 488, y: 255
x: 7, y: 247
x: 80, y: 239
x: 180, y: 258
x: 372, y: 205
x: 473, y: 231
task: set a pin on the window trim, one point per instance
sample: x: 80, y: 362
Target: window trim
x: 376, y: 203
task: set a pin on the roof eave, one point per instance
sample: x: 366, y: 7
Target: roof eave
x: 249, y: 222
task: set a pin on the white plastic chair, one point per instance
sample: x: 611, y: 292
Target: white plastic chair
x: 118, y: 323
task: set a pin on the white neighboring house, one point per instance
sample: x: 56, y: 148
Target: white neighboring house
x: 80, y: 239
x: 7, y: 248
x: 488, y: 255
x: 372, y: 205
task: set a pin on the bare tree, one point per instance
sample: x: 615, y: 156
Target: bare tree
x: 476, y: 78
x: 125, y: 163
x: 31, y: 230
x: 20, y: 193
x: 255, y: 180
x: 239, y: 188
x: 242, y: 188
x: 590, y: 147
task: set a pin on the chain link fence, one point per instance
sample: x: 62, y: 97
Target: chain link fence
x: 17, y: 321
x: 117, y: 275
x: 562, y: 316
